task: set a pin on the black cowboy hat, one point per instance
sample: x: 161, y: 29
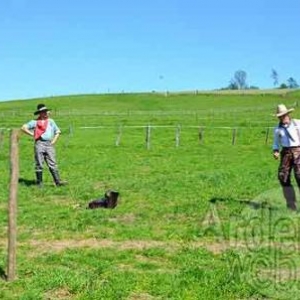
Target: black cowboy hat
x: 41, y: 108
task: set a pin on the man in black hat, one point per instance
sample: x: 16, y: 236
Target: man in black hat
x: 45, y: 133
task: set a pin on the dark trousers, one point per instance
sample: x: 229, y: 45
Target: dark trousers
x: 290, y: 160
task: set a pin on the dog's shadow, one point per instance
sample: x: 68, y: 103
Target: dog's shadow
x: 27, y: 182
x: 3, y: 274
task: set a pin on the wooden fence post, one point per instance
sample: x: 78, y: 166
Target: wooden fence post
x: 70, y: 130
x: 233, y: 136
x: 267, y: 135
x: 119, y: 136
x: 12, y: 207
x: 148, y: 136
x: 1, y: 137
x: 177, y: 136
x: 200, y: 135
x: 67, y: 141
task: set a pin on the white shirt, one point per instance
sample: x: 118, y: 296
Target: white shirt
x: 287, y: 135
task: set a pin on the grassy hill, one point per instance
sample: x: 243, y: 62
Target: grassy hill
x: 197, y: 218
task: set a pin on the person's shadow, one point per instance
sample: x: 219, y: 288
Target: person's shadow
x: 3, y: 274
x: 252, y: 204
x: 27, y: 182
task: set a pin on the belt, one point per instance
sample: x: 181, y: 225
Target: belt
x: 290, y: 148
x: 42, y: 140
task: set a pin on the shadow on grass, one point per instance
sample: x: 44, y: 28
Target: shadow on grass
x: 27, y: 182
x: 250, y: 203
x: 3, y: 274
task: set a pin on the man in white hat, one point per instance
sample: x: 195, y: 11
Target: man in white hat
x: 287, y: 146
x: 45, y: 133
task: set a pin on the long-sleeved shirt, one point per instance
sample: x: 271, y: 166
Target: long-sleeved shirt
x: 287, y: 135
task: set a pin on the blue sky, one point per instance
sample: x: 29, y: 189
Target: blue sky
x: 63, y: 47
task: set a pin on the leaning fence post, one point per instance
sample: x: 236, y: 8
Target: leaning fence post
x: 267, y: 135
x: 177, y: 136
x: 233, y: 136
x: 12, y: 207
x: 118, y: 139
x: 148, y: 136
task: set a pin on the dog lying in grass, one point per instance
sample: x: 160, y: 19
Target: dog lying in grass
x: 110, y: 200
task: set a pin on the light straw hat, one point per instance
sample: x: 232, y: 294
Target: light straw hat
x: 282, y: 110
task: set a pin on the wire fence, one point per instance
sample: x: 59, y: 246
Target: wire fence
x: 178, y: 130
x: 134, y: 112
x: 235, y: 132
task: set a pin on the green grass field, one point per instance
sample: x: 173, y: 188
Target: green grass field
x: 196, y: 219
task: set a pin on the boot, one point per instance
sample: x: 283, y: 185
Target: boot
x: 56, y: 178
x: 39, y: 178
x: 290, y: 197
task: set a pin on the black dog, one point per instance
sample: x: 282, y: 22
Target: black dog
x: 110, y: 200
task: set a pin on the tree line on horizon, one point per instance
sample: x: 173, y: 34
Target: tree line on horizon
x: 239, y: 82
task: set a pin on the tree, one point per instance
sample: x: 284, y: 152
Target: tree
x: 283, y: 86
x: 239, y: 79
x: 274, y: 76
x: 232, y: 85
x: 292, y: 83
